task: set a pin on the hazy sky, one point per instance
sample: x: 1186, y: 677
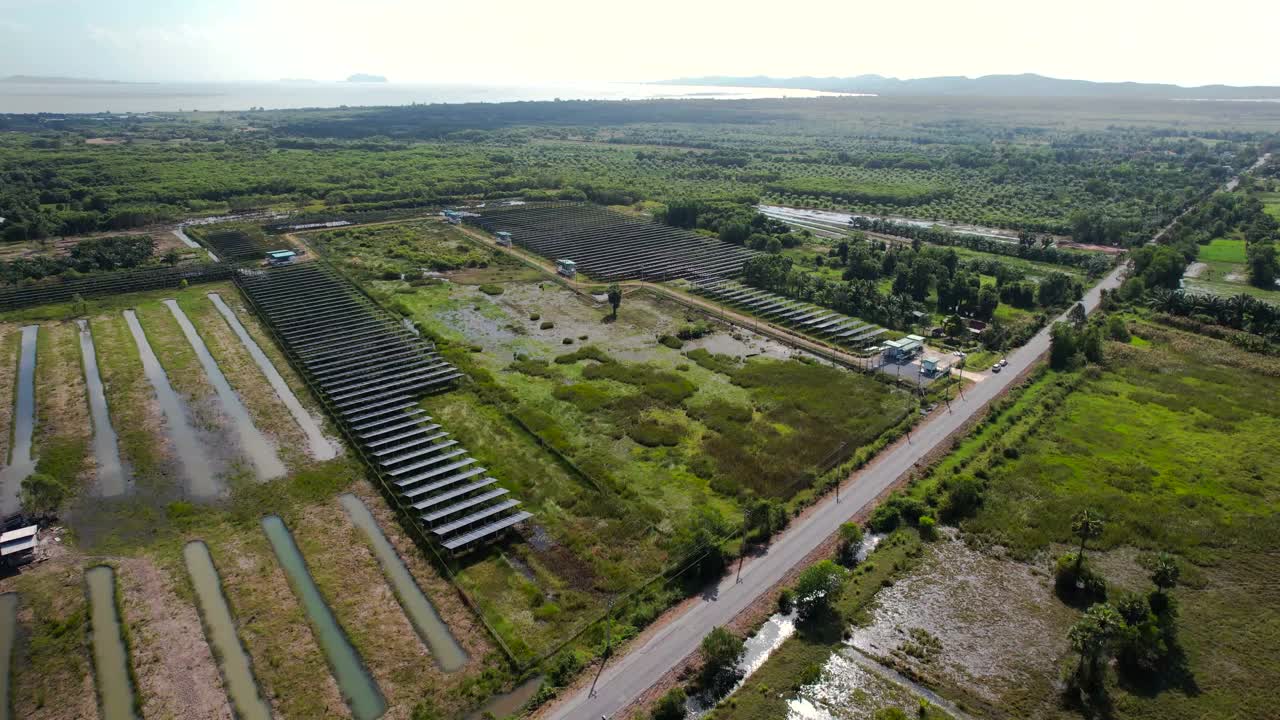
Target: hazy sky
x: 1189, y: 43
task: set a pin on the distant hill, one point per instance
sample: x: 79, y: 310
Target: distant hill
x: 365, y: 78
x: 1025, y: 85
x: 59, y: 80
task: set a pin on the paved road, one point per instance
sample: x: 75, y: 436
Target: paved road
x: 629, y: 676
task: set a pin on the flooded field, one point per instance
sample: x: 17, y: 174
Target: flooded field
x: 319, y: 447
x: 357, y: 685
x: 111, y: 480
x: 508, y: 704
x: 253, y: 443
x: 448, y: 654
x: 201, y: 482
x: 21, y: 464
x: 220, y: 628
x: 110, y: 656
x: 970, y: 621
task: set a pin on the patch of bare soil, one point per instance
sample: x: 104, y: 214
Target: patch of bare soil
x: 176, y: 672
x: 287, y: 661
x: 978, y: 623
x: 1195, y: 269
x: 103, y: 141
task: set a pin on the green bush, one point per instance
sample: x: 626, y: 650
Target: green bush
x: 671, y: 706
x: 546, y: 325
x: 671, y: 341
x: 489, y: 289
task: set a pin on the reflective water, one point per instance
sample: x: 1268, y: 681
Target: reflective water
x: 357, y: 685
x: 110, y: 658
x: 8, y: 634
x: 508, y: 704
x: 320, y: 447
x: 266, y: 463
x: 24, y: 422
x: 201, y: 482
x: 106, y: 447
x: 220, y: 628
x: 422, y: 614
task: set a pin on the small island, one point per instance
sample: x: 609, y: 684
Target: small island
x: 366, y: 78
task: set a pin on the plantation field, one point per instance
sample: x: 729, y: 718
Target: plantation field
x: 659, y: 444
x: 1271, y: 200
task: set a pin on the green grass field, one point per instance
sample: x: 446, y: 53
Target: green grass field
x: 1222, y: 250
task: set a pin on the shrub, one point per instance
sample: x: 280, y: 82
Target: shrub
x: 489, y: 289
x: 928, y: 527
x: 786, y: 600
x: 671, y: 341
x: 816, y: 588
x: 535, y: 317
x: 546, y: 325
x: 693, y: 331
x: 567, y: 341
x: 1076, y: 581
x: 721, y: 650
x: 671, y: 706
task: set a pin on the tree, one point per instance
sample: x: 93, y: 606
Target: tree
x: 1165, y: 573
x: 171, y: 257
x: 1086, y: 525
x: 1064, y: 347
x: 615, y: 298
x: 41, y: 495
x: 671, y: 706
x: 816, y: 588
x: 850, y: 542
x: 1263, y: 264
x: 1091, y: 637
x: 721, y: 651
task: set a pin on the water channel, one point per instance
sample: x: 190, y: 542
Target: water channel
x: 422, y: 614
x: 106, y: 448
x: 201, y: 482
x: 320, y: 447
x: 220, y: 628
x: 24, y: 423
x: 357, y: 685
x: 110, y: 658
x: 8, y: 636
x: 508, y: 704
x: 266, y: 463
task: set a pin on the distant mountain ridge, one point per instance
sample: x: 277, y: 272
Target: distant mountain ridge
x: 1024, y: 85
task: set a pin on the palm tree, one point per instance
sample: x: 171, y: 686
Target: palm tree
x: 1086, y: 525
x: 1091, y: 637
x: 1166, y: 572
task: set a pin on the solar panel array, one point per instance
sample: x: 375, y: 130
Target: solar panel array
x: 112, y: 283
x: 810, y: 319
x: 370, y: 371
x: 236, y: 245
x: 609, y: 245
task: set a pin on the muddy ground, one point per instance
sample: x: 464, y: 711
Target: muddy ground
x: 10, y: 342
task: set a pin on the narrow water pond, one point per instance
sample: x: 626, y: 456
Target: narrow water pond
x: 318, y: 445
x: 8, y: 635
x: 422, y: 614
x: 24, y: 423
x: 220, y: 629
x: 357, y: 685
x: 201, y: 482
x: 508, y: 704
x: 110, y: 658
x: 266, y: 463
x: 106, y: 447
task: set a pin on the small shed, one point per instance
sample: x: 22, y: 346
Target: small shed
x: 17, y: 547
x: 281, y: 257
x: 504, y: 238
x: 567, y: 268
x: 935, y: 366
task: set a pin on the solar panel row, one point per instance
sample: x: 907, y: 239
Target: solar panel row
x: 370, y: 370
x: 811, y: 319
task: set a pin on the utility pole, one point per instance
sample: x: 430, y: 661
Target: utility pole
x: 608, y: 638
